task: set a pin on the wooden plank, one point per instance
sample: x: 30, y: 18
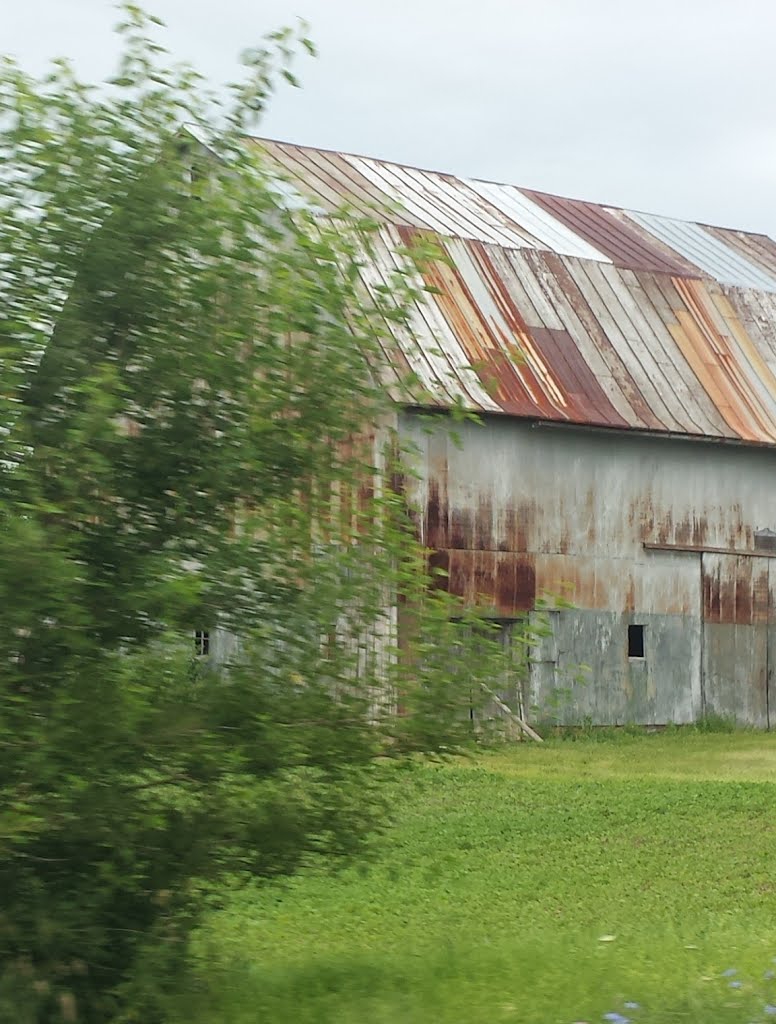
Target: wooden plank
x: 511, y: 714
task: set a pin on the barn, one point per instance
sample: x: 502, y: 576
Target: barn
x: 623, y: 370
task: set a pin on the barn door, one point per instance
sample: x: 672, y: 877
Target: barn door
x: 737, y: 640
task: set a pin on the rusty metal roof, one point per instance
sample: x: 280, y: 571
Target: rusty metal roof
x: 561, y: 310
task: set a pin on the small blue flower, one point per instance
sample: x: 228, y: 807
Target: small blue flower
x: 729, y: 972
x: 770, y: 1009
x: 616, y: 1018
x: 735, y: 984
x: 769, y: 976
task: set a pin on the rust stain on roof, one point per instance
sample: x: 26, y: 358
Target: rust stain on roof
x: 624, y: 246
x: 562, y: 310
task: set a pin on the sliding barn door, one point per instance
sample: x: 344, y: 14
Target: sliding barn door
x: 736, y: 637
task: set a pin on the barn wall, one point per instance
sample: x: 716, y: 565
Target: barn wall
x: 515, y: 511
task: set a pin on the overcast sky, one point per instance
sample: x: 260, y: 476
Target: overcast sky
x: 667, y: 106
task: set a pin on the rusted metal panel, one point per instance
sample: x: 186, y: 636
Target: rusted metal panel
x: 593, y: 345
x: 558, y: 310
x: 498, y: 583
x: 746, y: 386
x: 736, y: 617
x: 653, y: 413
x: 757, y: 313
x: 735, y: 589
x: 617, y: 240
x: 625, y: 528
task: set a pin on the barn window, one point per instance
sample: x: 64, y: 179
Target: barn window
x: 635, y: 641
x: 201, y: 643
x: 765, y: 540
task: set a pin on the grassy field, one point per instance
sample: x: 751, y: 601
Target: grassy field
x: 553, y: 883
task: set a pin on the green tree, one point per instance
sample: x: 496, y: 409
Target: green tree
x: 189, y: 389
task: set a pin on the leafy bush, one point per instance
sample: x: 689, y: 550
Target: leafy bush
x: 190, y: 402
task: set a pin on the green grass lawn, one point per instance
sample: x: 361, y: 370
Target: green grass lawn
x: 538, y: 884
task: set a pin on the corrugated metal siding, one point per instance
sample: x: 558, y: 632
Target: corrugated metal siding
x: 561, y: 310
x: 515, y: 511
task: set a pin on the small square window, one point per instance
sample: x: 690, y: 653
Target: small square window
x: 201, y: 643
x: 635, y: 641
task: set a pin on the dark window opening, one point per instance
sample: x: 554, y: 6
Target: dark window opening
x: 202, y: 643
x: 635, y: 641
x: 765, y: 540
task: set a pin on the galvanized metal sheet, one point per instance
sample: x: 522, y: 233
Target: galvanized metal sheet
x: 736, y: 616
x: 603, y: 229
x: 757, y: 249
x: 700, y: 247
x: 708, y: 619
x: 551, y: 232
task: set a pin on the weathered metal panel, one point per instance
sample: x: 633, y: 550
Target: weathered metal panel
x: 757, y: 249
x: 721, y: 350
x: 550, y: 232
x: 616, y: 689
x: 736, y: 625
x: 559, y: 310
x: 515, y: 512
x: 706, y: 251
x: 624, y: 246
x: 757, y: 313
x: 462, y: 204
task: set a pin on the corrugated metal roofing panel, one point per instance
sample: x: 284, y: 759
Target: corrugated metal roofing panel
x: 697, y: 245
x: 439, y: 202
x: 467, y: 215
x: 326, y: 176
x: 757, y: 311
x: 603, y: 229
x: 554, y: 234
x: 758, y: 249
x: 614, y: 348
x: 560, y: 310
x: 438, y: 359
